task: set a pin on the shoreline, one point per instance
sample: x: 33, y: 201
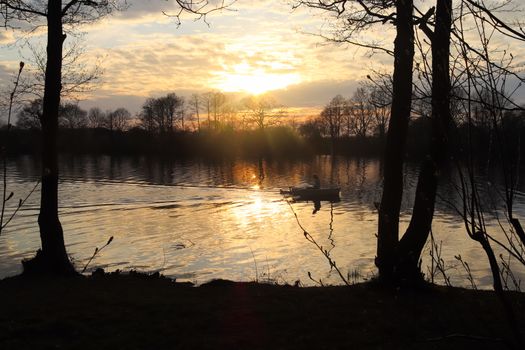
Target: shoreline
x: 138, y: 311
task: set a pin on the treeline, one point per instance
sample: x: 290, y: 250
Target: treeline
x: 358, y: 124
x: 212, y: 125
x: 208, y: 111
x: 271, y: 142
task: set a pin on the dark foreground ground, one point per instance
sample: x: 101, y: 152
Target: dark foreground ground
x: 138, y: 312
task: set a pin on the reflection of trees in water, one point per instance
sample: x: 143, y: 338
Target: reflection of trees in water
x: 490, y: 187
x: 359, y: 178
x: 334, y: 167
x: 331, y: 228
x: 261, y: 172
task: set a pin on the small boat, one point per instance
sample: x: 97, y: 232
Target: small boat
x: 308, y: 193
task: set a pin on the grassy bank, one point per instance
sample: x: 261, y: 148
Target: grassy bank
x: 138, y: 312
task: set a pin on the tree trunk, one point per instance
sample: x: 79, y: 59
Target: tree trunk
x: 413, y: 242
x: 53, y: 257
x: 388, y: 231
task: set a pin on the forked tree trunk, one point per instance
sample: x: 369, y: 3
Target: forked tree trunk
x: 53, y: 257
x: 413, y: 242
x: 388, y: 231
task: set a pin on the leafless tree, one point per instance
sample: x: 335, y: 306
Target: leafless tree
x: 30, y: 115
x: 79, y: 74
x: 96, y: 118
x: 218, y: 101
x: 397, y: 258
x: 360, y: 112
x: 195, y: 103
x: 352, y: 18
x: 71, y: 116
x: 380, y: 99
x: 332, y: 117
x: 118, y: 120
x: 162, y: 114
x: 60, y: 18
x: 260, y: 111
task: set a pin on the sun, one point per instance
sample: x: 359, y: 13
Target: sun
x: 244, y: 78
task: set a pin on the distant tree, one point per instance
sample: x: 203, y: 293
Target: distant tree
x: 218, y: 100
x: 206, y: 99
x: 195, y: 104
x: 30, y: 115
x: 71, y: 116
x: 380, y: 99
x: 146, y: 116
x: 332, y: 117
x: 174, y: 110
x: 96, y: 118
x: 311, y: 128
x: 229, y: 115
x: 360, y: 112
x: 260, y: 110
x: 162, y: 114
x: 60, y: 17
x: 118, y: 120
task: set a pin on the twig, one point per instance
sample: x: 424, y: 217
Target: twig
x: 466, y: 266
x: 255, y: 264
x: 96, y: 252
x: 20, y: 204
x: 3, y: 149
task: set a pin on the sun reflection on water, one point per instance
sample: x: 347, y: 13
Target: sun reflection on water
x: 226, y: 218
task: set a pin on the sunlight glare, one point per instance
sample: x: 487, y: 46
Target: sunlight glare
x: 244, y: 78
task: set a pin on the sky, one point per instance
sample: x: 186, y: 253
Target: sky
x: 256, y: 46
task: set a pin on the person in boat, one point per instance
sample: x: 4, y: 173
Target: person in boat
x: 317, y: 182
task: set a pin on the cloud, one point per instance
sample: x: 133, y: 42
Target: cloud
x: 145, y: 54
x: 7, y: 37
x: 316, y: 93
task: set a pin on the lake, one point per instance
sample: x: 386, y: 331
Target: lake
x: 196, y: 220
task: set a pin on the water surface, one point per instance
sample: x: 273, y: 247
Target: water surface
x: 196, y: 220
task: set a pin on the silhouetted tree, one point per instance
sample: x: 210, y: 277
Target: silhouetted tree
x: 380, y: 99
x: 311, y: 129
x: 413, y: 241
x: 207, y: 102
x: 260, y: 110
x: 54, y: 15
x: 161, y: 114
x: 332, y: 117
x: 118, y: 120
x: 96, y: 118
x: 360, y: 112
x: 30, y: 115
x: 195, y: 103
x: 218, y: 100
x: 79, y: 75
x: 71, y: 116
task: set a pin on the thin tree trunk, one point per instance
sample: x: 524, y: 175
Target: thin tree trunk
x: 413, y: 242
x: 498, y: 288
x: 53, y: 257
x: 388, y: 230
